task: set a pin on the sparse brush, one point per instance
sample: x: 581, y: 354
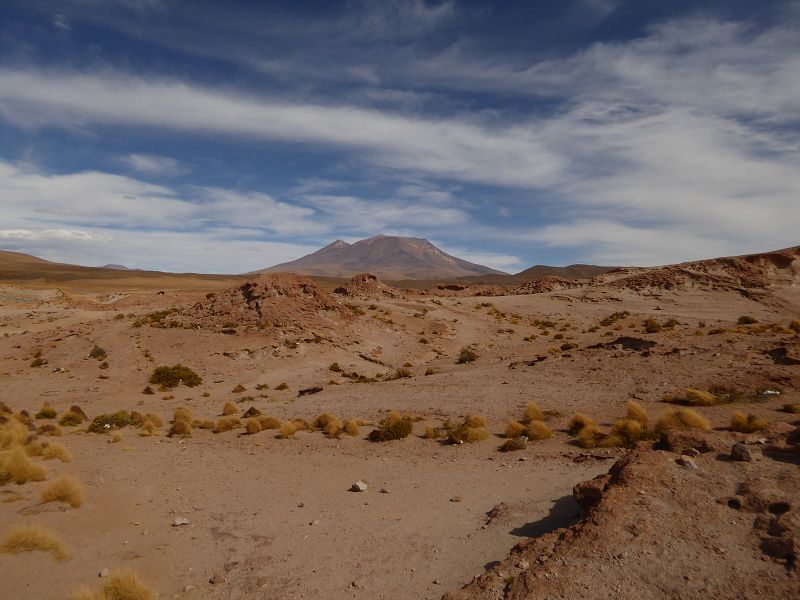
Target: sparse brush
x: 107, y: 422
x: 71, y: 419
x: 46, y: 412
x: 287, y: 430
x: 170, y: 377
x: 227, y: 424
x: 333, y: 428
x: 589, y: 436
x: 393, y: 427
x: 538, y: 430
x: 180, y: 427
x: 465, y: 434
x: 322, y: 420
x: 695, y: 397
x: 578, y: 421
x: 512, y: 444
x: 13, y: 432
x: 681, y: 418
x: 229, y: 409
x: 31, y: 538
x: 302, y: 424
x: 148, y: 428
x: 252, y: 426
x: 156, y: 420
x: 795, y: 325
x: 350, y: 427
x: 121, y: 584
x: 792, y: 408
x: 49, y: 429
x: 466, y: 355
x: 651, y: 326
x: 206, y: 424
x: 532, y: 413
x: 269, y: 423
x: 746, y: 320
x: 626, y: 433
x: 475, y: 421
x: 65, y: 488
x: 635, y: 412
x: 515, y: 429
x: 433, y: 433
x: 16, y: 466
x: 53, y: 450
x: 182, y: 414
x: 743, y: 423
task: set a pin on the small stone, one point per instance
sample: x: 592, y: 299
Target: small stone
x: 180, y: 521
x: 314, y: 522
x: 216, y: 579
x: 104, y: 573
x: 189, y: 588
x: 523, y: 564
x: 436, y: 582
x: 456, y: 499
x: 691, y: 452
x: 741, y: 452
x: 383, y: 491
x: 687, y: 462
x: 358, y: 486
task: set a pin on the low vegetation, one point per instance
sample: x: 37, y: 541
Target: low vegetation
x: 394, y: 427
x: 466, y: 355
x: 65, y: 488
x: 53, y: 450
x: 107, y: 422
x: 681, y: 418
x: 33, y: 538
x: 17, y: 467
x: 170, y: 377
x: 578, y: 421
x: 227, y: 424
x: 743, y: 423
x: 46, y: 412
x: 121, y: 584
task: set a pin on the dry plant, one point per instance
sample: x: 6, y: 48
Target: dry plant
x: 350, y: 427
x: 227, y: 424
x: 532, y: 413
x: 743, y: 423
x: 681, y: 418
x: 53, y: 450
x: 538, y: 430
x: 287, y: 430
x: 121, y: 584
x: 46, y: 412
x: 394, y: 427
x: 16, y: 466
x: 515, y: 429
x: 635, y: 412
x: 475, y: 421
x: 578, y: 421
x: 512, y: 444
x: 269, y: 423
x: 31, y: 538
x: 229, y: 409
x: 252, y: 426
x: 65, y: 488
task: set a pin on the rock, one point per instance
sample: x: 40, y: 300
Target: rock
x: 678, y: 440
x: 104, y: 573
x: 687, y: 462
x: 588, y: 493
x: 314, y: 522
x: 523, y: 564
x: 741, y: 452
x: 180, y: 521
x: 691, y: 452
x: 217, y: 579
x: 456, y: 499
x: 383, y: 491
x: 358, y: 486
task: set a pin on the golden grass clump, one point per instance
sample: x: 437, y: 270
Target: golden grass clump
x: 17, y: 467
x: 65, y: 488
x: 681, y: 418
x: 302, y: 424
x: 466, y: 434
x: 46, y: 412
x: 635, y: 412
x: 287, y: 430
x: 30, y: 538
x: 696, y: 397
x: 746, y: 423
x: 182, y: 414
x: 433, y: 433
x: 538, y: 430
x: 206, y: 424
x: 394, y: 427
x: 229, y: 409
x: 121, y: 584
x: 252, y: 426
x: 181, y: 427
x: 515, y: 429
x: 321, y: 421
x: 155, y: 419
x: 350, y: 427
x: 589, y: 436
x: 333, y: 428
x: 269, y: 423
x: 512, y: 444
x: 625, y: 434
x: 13, y: 433
x: 148, y: 428
x: 795, y: 325
x: 53, y: 450
x: 49, y: 429
x: 578, y: 421
x: 532, y: 413
x: 227, y: 424
x: 475, y: 421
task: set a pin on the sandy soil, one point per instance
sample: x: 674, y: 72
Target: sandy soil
x: 274, y: 518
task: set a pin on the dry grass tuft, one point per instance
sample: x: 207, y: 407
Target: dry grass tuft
x: 13, y: 433
x: 589, y: 436
x: 513, y: 444
x: 53, y: 450
x: 302, y: 424
x: 49, y: 429
x: 322, y: 420
x: 156, y: 420
x: 394, y: 427
x: 182, y: 414
x: 121, y: 584
x: 333, y: 428
x: 206, y: 424
x: 578, y: 421
x: 464, y: 434
x: 433, y: 433
x: 681, y: 418
x: 269, y: 423
x: 65, y: 488
x: 350, y: 427
x: 31, y: 538
x: 287, y: 430
x: 746, y: 423
x: 538, y: 430
x: 252, y: 426
x: 148, y: 428
x: 227, y: 424
x: 515, y: 429
x: 475, y: 421
x: 532, y: 413
x: 46, y: 412
x: 229, y: 409
x: 696, y: 397
x: 180, y: 427
x: 635, y: 412
x: 625, y: 434
x: 17, y: 467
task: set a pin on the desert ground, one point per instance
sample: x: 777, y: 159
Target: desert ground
x: 203, y: 509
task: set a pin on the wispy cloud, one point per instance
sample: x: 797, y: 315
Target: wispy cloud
x: 152, y: 164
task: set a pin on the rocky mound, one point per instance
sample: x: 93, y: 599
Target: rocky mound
x: 687, y: 521
x: 367, y: 285
x: 278, y: 300
x: 548, y: 283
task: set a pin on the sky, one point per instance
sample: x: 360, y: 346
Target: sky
x: 225, y: 137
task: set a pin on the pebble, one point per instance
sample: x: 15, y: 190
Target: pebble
x: 104, y: 573
x: 216, y: 579
x: 687, y: 462
x: 180, y: 521
x: 741, y: 452
x: 456, y: 499
x: 358, y: 486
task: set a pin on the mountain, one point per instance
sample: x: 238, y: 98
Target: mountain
x: 537, y: 272
x: 115, y: 267
x: 388, y: 257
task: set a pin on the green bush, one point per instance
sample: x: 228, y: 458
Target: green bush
x: 117, y: 420
x: 394, y: 427
x: 171, y: 377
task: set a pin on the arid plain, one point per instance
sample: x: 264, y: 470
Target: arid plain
x: 245, y: 507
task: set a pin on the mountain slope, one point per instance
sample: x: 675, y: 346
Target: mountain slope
x: 386, y: 256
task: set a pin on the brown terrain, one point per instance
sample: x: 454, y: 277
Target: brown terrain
x: 212, y: 486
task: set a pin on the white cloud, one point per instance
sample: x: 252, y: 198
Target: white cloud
x: 153, y: 164
x: 501, y: 262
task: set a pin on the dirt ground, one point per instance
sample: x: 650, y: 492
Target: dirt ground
x: 274, y: 518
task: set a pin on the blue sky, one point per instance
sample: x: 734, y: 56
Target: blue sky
x: 226, y: 137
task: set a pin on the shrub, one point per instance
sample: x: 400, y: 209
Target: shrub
x: 106, y: 422
x: 746, y: 423
x: 71, y: 419
x: 148, y: 390
x: 121, y: 584
x: 465, y: 434
x: 532, y: 413
x: 681, y: 418
x: 322, y: 420
x: 401, y: 373
x: 335, y: 367
x: 696, y: 397
x: 206, y: 424
x: 589, y: 436
x: 433, y: 433
x: 229, y: 409
x: 181, y: 427
x: 578, y: 421
x: 333, y: 428
x: 155, y: 419
x: 288, y: 429
x: 282, y: 386
x: 98, y: 353
x: 227, y: 423
x: 30, y: 538
x: 635, y: 412
x: 538, y: 430
x: 269, y: 423
x: 351, y: 427
x: 252, y: 426
x: 38, y: 362
x: 65, y: 488
x: 625, y: 433
x: 466, y: 355
x: 795, y: 325
x: 746, y: 320
x: 171, y: 377
x: 393, y: 427
x: 17, y: 467
x: 651, y: 326
x: 475, y: 421
x: 512, y: 444
x: 53, y: 450
x: 238, y: 389
x: 182, y: 414
x: 148, y: 428
x: 46, y: 412
x: 49, y: 429
x: 514, y: 429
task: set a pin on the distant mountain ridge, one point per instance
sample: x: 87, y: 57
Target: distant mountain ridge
x: 389, y: 257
